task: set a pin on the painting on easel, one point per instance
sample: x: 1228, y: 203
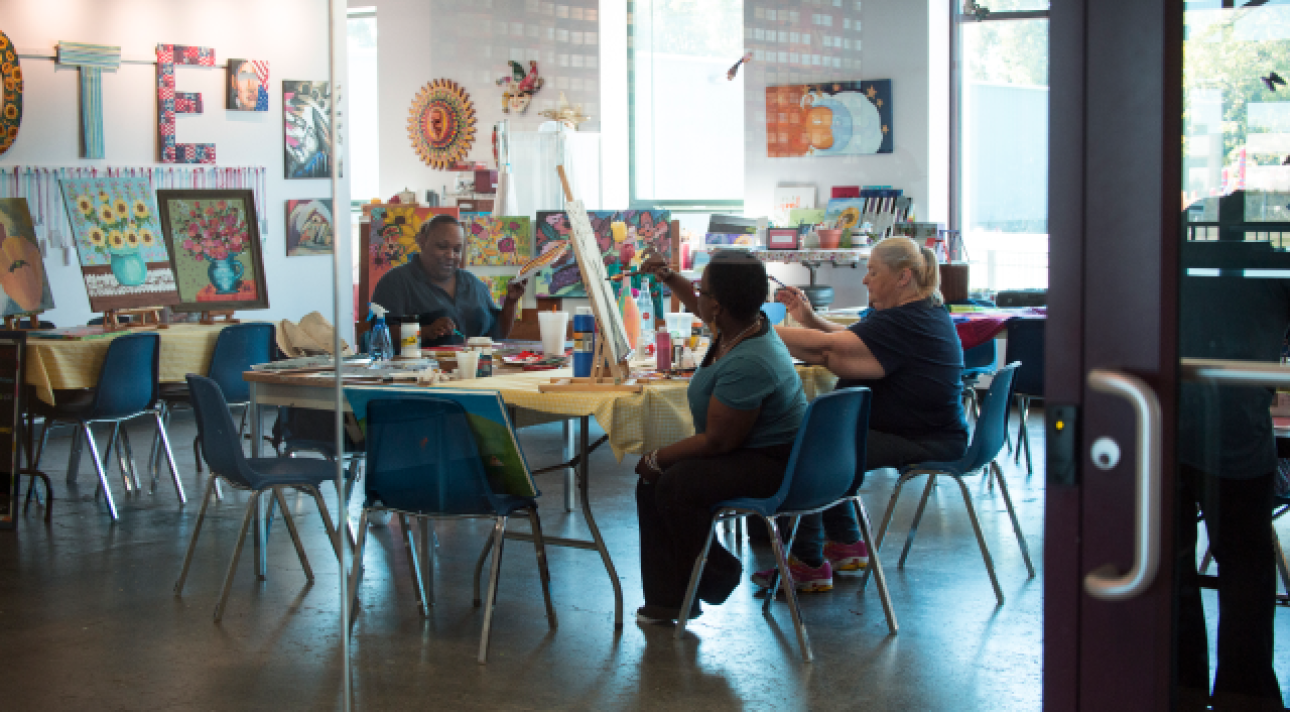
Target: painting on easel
x: 119, y: 242
x: 646, y: 230
x: 23, y: 280
x: 214, y: 241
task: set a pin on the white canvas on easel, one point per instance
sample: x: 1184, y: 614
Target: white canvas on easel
x: 791, y: 197
x: 603, y: 305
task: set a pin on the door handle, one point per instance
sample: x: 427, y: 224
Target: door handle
x: 1106, y: 582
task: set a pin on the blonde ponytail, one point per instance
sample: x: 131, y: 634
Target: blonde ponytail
x: 899, y: 253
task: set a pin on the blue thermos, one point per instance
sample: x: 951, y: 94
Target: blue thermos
x: 584, y: 342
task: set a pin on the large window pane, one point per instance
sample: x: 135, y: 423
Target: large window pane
x: 1004, y: 152
x: 364, y: 149
x: 688, y: 139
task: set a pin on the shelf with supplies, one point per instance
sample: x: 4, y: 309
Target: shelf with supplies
x: 837, y: 256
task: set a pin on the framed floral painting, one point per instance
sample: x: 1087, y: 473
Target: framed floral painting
x: 214, y: 242
x: 497, y: 241
x: 119, y: 243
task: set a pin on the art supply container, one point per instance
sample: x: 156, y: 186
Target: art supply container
x: 553, y: 326
x: 467, y: 364
x: 410, y: 340
x: 584, y: 342
x: 663, y: 343
x: 680, y: 325
x: 484, y: 345
x: 829, y: 239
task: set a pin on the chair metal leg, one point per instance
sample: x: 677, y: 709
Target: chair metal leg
x: 44, y: 439
x: 1282, y: 566
x: 479, y: 568
x: 170, y: 460
x: 539, y: 545
x: 237, y: 553
x: 980, y: 539
x: 775, y: 579
x: 1023, y: 434
x: 154, y: 451
x: 99, y: 468
x: 424, y: 527
x: 326, y: 517
x: 781, y: 562
x: 882, y: 528
x: 875, y: 563
x: 295, y: 536
x: 423, y: 600
x: 918, y: 517
x: 1012, y: 513
x: 357, y: 568
x: 114, y: 441
x: 692, y: 589
x: 192, y: 542
x: 125, y: 454
x: 499, y: 540
x: 197, y: 452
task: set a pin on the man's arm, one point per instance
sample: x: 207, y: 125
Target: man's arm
x: 842, y: 352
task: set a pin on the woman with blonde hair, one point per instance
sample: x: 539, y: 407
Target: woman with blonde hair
x: 907, y: 352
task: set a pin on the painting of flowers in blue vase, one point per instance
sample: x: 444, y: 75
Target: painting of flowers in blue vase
x: 119, y: 243
x: 214, y: 242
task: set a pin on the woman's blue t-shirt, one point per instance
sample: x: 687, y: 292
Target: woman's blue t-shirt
x: 758, y: 372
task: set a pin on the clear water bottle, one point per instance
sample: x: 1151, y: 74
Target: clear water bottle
x: 380, y: 346
x: 646, y: 306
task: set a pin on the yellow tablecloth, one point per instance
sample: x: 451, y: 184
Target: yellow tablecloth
x: 635, y: 422
x: 56, y: 365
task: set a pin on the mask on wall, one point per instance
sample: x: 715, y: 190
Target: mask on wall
x: 518, y: 88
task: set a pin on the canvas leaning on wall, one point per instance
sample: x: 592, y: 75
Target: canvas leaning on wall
x: 214, y: 242
x: 119, y: 243
x: 829, y: 119
x: 22, y: 269
x: 309, y: 228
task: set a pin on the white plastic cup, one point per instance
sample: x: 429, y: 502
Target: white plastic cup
x: 680, y: 324
x: 553, y: 326
x: 467, y: 364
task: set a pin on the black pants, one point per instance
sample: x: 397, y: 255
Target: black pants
x: 675, y: 517
x: 1238, y: 519
x: 839, y: 524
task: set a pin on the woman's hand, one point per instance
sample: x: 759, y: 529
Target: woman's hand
x: 656, y: 265
x: 514, y: 291
x: 799, y: 307
x: 440, y: 327
x: 646, y: 467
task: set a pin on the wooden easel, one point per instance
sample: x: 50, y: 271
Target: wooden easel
x: 14, y: 323
x: 606, y: 375
x: 149, y: 317
x: 219, y: 317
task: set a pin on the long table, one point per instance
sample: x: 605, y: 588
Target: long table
x: 633, y: 423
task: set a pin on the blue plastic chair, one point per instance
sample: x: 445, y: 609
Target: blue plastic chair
x: 423, y: 463
x: 126, y: 389
x: 1026, y: 348
x: 825, y: 468
x: 987, y: 442
x: 222, y: 446
x: 775, y: 312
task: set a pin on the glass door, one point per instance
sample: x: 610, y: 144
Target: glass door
x: 1170, y: 303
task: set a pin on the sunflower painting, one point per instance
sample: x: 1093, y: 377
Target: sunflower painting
x: 498, y: 242
x: 110, y: 218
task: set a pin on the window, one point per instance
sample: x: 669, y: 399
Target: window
x: 686, y: 119
x: 1000, y: 139
x: 364, y: 148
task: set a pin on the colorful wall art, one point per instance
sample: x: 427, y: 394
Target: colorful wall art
x: 829, y: 119
x: 441, y: 123
x: 171, y: 102
x: 306, y: 107
x: 497, y: 285
x: 562, y: 278
x: 388, y: 241
x: 23, y: 280
x: 214, y: 242
x: 309, y: 228
x: 248, y: 85
x: 499, y: 241
x: 10, y: 94
x: 119, y: 242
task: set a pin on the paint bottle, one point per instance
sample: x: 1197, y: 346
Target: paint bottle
x: 484, y: 345
x: 410, y: 340
x: 663, y: 349
x: 584, y: 342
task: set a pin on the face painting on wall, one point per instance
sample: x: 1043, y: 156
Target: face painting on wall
x: 306, y: 107
x: 248, y: 85
x: 831, y: 119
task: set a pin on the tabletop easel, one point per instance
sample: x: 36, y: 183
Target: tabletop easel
x: 148, y: 317
x: 218, y: 317
x: 607, y: 372
x: 14, y: 323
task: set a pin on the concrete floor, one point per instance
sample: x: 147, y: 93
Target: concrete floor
x: 88, y: 619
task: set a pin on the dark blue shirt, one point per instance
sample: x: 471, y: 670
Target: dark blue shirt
x: 920, y: 398
x: 407, y: 293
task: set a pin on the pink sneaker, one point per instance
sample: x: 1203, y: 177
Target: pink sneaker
x: 847, y: 558
x: 808, y: 579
